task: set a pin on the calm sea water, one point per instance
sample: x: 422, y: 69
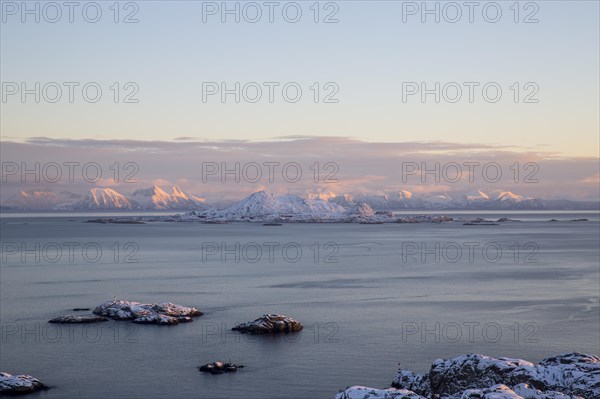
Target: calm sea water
x: 370, y: 297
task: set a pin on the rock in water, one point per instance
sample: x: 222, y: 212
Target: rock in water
x: 155, y: 313
x: 270, y: 323
x: 71, y: 319
x: 19, y: 384
x: 220, y: 367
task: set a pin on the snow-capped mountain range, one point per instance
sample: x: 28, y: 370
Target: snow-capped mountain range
x: 477, y: 199
x: 264, y: 203
x: 105, y: 199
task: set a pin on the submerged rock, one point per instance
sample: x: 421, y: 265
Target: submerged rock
x: 166, y: 313
x: 72, y: 319
x: 220, y: 367
x: 502, y: 220
x: 19, y: 384
x: 425, y: 219
x: 117, y: 221
x: 480, y: 224
x: 270, y: 323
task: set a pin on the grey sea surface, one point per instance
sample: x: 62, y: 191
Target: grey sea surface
x: 369, y: 296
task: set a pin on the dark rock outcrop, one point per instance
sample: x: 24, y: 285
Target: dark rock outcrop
x: 166, y: 313
x: 19, y: 384
x: 270, y: 323
x: 220, y: 367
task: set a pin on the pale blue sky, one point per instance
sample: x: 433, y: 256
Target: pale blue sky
x: 369, y: 53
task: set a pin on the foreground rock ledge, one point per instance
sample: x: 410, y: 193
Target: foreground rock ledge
x: 270, y: 323
x: 166, y: 313
x: 19, y: 384
x: 566, y: 376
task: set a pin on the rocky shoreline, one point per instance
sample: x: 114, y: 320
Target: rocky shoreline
x: 565, y: 376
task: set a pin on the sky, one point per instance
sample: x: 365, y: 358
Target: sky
x: 370, y: 64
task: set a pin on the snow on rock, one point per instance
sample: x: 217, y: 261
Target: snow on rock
x: 270, y: 323
x: 495, y: 392
x: 166, y: 313
x: 572, y: 374
x: 19, y: 384
x: 527, y: 392
x: 360, y: 392
x: 498, y: 391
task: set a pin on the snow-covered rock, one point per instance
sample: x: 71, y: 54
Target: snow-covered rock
x: 528, y: 392
x: 19, y: 384
x: 269, y: 323
x: 474, y: 376
x: 498, y: 391
x: 360, y: 392
x: 501, y: 391
x: 573, y: 374
x: 166, y: 313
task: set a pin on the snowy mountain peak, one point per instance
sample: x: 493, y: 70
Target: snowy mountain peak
x: 152, y: 198
x: 156, y: 198
x: 403, y: 194
x: 509, y: 196
x: 265, y: 205
x: 105, y: 198
x: 477, y: 196
x: 176, y: 192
